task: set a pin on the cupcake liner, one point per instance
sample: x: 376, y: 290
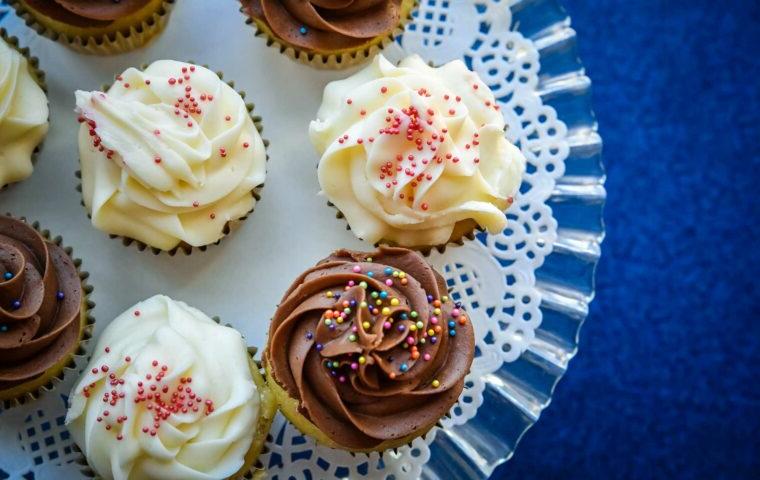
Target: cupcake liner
x: 32, y: 390
x: 252, y: 468
x: 464, y: 230
x: 37, y: 74
x: 118, y: 41
x: 333, y: 60
x: 231, y: 225
x: 290, y: 409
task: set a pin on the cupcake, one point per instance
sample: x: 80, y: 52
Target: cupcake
x: 43, y: 310
x: 329, y: 34
x: 366, y: 352
x: 170, y: 156
x: 23, y: 110
x: 96, y: 26
x: 170, y: 393
x: 415, y: 156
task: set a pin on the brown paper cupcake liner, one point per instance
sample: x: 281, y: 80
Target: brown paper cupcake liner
x: 332, y: 60
x: 39, y: 77
x: 464, y: 230
x: 252, y: 468
x: 133, y: 37
x: 230, y: 226
x: 68, y: 365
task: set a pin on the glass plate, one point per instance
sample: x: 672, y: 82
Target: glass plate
x: 527, y: 289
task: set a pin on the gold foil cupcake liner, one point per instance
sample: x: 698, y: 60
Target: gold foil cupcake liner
x: 252, y: 468
x: 30, y: 391
x: 464, y: 230
x: 231, y: 225
x: 336, y: 60
x: 129, y: 38
x: 37, y: 74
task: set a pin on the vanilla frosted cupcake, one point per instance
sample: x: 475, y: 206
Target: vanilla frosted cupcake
x: 414, y: 155
x: 170, y: 156
x: 169, y: 393
x: 23, y: 112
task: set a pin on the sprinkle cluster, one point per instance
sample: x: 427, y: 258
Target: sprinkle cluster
x: 419, y: 336
x: 424, y: 136
x: 154, y: 393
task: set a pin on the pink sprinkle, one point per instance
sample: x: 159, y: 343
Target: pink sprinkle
x: 357, y: 268
x: 434, y: 320
x: 426, y: 357
x: 387, y: 325
x: 455, y: 312
x: 410, y: 340
x: 354, y: 366
x: 388, y: 282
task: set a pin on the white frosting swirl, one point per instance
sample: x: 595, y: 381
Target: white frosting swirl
x: 409, y: 151
x: 168, y: 155
x: 23, y: 115
x: 120, y: 437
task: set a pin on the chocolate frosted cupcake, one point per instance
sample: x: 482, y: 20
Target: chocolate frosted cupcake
x: 329, y: 33
x: 366, y: 351
x: 96, y: 26
x: 170, y: 394
x: 43, y: 310
x: 23, y: 110
x: 170, y: 155
x: 415, y: 155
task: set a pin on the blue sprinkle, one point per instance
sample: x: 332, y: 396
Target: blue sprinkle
x: 3, y: 327
x: 433, y: 339
x: 401, y: 328
x: 352, y: 303
x: 16, y: 304
x: 319, y: 347
x: 430, y: 299
x: 370, y: 274
x: 383, y: 295
x: 60, y: 295
x: 388, y: 270
x: 337, y: 295
x: 458, y: 304
x: 332, y: 327
x: 404, y: 316
x: 403, y: 367
x: 309, y: 335
x: 452, y: 333
x: 452, y: 324
x: 303, y: 30
x: 8, y: 275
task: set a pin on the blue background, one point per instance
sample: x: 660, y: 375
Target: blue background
x: 665, y: 383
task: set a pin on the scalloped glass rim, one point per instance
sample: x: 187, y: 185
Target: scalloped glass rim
x: 516, y: 394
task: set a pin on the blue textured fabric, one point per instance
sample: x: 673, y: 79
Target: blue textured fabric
x: 666, y: 381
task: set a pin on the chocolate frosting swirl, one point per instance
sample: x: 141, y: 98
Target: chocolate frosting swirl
x: 87, y: 13
x: 370, y: 346
x: 40, y: 302
x: 326, y: 24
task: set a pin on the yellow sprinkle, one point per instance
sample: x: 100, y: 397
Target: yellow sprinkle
x: 339, y: 319
x: 431, y: 332
x: 413, y: 327
x: 379, y: 302
x: 329, y: 294
x: 437, y: 311
x: 386, y: 311
x: 402, y: 275
x: 365, y: 325
x: 363, y: 305
x: 395, y: 274
x: 436, y: 384
x: 445, y: 298
x: 394, y: 301
x: 362, y: 360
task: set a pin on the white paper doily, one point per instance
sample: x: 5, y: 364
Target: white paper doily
x: 526, y: 289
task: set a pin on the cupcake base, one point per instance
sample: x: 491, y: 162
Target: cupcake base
x: 122, y: 35
x: 463, y: 230
x: 290, y: 409
x: 32, y: 389
x: 332, y: 60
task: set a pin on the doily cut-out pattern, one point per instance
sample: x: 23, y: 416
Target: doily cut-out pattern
x: 494, y: 277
